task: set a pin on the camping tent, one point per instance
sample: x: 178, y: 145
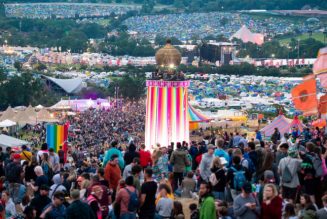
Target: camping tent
x: 280, y: 122
x: 8, y: 141
x: 7, y: 123
x: 8, y: 114
x: 195, y: 117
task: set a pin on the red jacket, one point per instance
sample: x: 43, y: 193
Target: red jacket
x: 112, y: 174
x: 145, y: 158
x: 273, y: 210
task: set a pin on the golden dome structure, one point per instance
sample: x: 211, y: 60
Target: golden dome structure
x: 168, y: 56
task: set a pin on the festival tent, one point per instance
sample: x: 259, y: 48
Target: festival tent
x: 44, y: 116
x: 23, y: 118
x: 246, y: 35
x: 7, y: 123
x: 31, y: 112
x: 8, y: 114
x: 195, y: 117
x: 8, y: 141
x: 280, y: 122
x: 320, y: 67
x: 81, y: 104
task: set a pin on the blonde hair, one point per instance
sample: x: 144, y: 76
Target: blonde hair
x: 216, y: 162
x: 273, y: 187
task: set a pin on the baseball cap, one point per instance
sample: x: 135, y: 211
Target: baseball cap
x: 211, y: 146
x: 247, y: 187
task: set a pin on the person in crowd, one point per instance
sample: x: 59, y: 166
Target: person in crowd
x: 145, y: 157
x: 178, y: 210
x: 322, y: 213
x: 207, y: 202
x: 14, y: 171
x: 128, y: 168
x: 194, y: 152
x: 57, y: 185
x: 282, y: 152
x: 275, y: 136
x: 56, y: 209
x: 93, y: 201
x: 106, y: 197
x: 179, y: 161
x: 77, y: 208
x: 220, y: 152
x: 44, y: 150
x: 289, y: 212
x: 29, y: 170
x: 165, y: 205
x: 46, y: 165
x: 237, y: 176
x: 39, y: 202
x: 194, y: 212
x: 54, y: 160
x: 102, y: 180
x: 61, y: 155
x: 131, y: 154
x: 205, y: 164
x: 148, y: 196
x: 111, y: 152
x: 288, y: 170
x: 25, y: 154
x: 271, y: 207
x: 125, y: 199
x: 219, y: 178
x: 10, y: 208
x: 188, y: 186
x: 85, y: 186
x: 163, y: 163
x: 307, y: 207
x: 41, y: 179
x: 246, y: 205
x: 112, y: 174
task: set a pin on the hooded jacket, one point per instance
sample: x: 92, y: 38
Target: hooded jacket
x: 57, y: 186
x: 179, y: 160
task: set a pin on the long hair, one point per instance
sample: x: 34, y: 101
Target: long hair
x: 216, y: 163
x: 273, y: 187
x: 178, y: 208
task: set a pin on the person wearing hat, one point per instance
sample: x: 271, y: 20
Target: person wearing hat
x: 25, y: 154
x: 78, y: 209
x: 246, y: 205
x: 288, y: 170
x: 55, y: 209
x: 14, y: 170
x: 206, y: 163
x: 40, y: 201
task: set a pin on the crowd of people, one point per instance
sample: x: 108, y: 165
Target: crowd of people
x: 184, y: 26
x: 107, y: 172
x: 64, y: 10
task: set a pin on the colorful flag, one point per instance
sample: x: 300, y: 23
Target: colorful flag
x: 320, y: 67
x: 304, y: 96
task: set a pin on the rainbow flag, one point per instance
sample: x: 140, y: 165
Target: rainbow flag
x: 57, y: 136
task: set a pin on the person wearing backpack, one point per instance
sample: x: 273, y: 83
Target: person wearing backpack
x: 127, y: 198
x: 237, y: 175
x: 288, y: 170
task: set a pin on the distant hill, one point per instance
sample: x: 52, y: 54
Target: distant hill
x: 201, y: 5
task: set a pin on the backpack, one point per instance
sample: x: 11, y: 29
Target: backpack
x: 213, y: 179
x: 134, y: 202
x: 251, y: 166
x: 239, y: 178
x: 287, y: 175
x: 317, y: 165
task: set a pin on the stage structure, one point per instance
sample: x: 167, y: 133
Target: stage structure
x: 167, y: 101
